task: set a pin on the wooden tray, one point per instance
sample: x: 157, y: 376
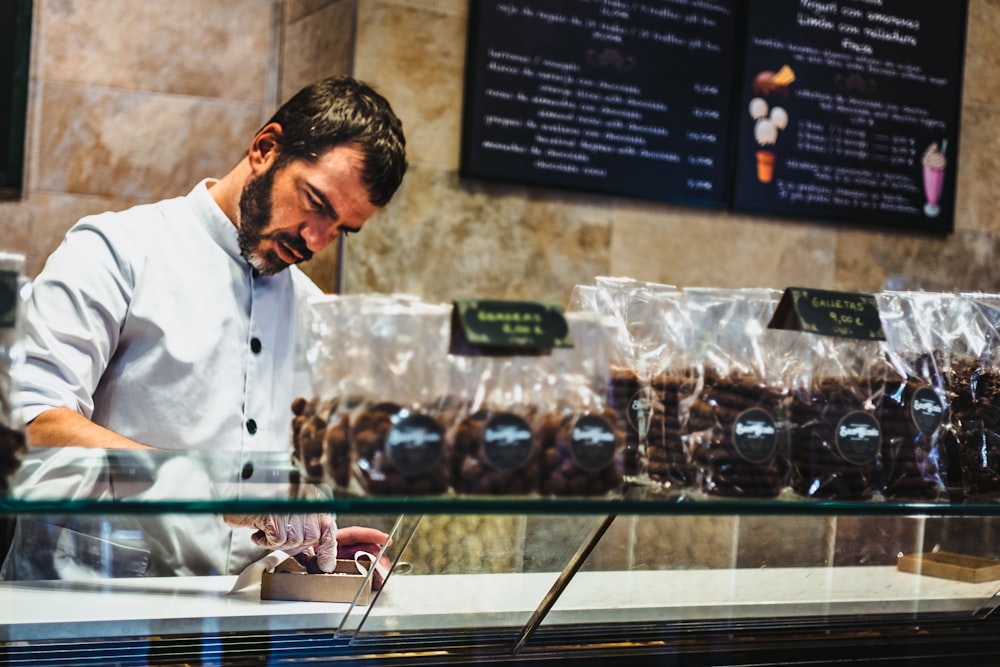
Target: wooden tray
x: 947, y: 565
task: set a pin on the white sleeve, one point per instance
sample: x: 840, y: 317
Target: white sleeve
x: 73, y: 320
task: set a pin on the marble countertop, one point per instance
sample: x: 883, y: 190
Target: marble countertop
x: 158, y: 606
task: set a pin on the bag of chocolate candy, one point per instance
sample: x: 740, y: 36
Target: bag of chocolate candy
x: 14, y: 289
x: 335, y: 348
x: 970, y: 347
x: 492, y: 444
x: 834, y: 419
x: 732, y: 429
x: 581, y: 438
x: 914, y: 402
x: 397, y: 431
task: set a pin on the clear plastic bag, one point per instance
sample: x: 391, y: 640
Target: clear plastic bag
x: 914, y: 405
x: 14, y: 291
x: 637, y: 343
x: 582, y: 440
x: 968, y: 328
x: 493, y: 443
x: 733, y: 418
x: 397, y: 429
x: 834, y: 416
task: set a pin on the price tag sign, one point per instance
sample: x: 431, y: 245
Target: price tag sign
x: 829, y: 313
x: 503, y: 327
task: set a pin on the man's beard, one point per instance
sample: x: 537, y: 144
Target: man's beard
x: 255, y: 216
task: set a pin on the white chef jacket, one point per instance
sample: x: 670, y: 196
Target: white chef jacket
x: 150, y: 323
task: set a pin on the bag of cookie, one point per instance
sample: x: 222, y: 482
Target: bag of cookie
x: 834, y: 418
x: 492, y: 445
x: 397, y: 431
x: 971, y: 367
x: 914, y: 402
x: 14, y: 290
x: 635, y: 309
x: 674, y: 379
x: 732, y: 429
x: 581, y: 438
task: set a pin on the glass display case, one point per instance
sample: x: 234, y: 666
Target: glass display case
x: 642, y: 577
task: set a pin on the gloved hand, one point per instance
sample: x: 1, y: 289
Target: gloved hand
x: 293, y: 534
x: 351, y: 540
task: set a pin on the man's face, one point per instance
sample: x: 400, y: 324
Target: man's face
x: 291, y: 212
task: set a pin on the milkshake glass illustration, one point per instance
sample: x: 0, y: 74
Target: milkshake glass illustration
x: 934, y: 163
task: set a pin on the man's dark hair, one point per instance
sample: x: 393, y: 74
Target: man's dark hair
x: 338, y: 111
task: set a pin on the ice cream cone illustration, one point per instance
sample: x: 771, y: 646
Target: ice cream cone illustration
x: 768, y: 121
x: 765, y: 166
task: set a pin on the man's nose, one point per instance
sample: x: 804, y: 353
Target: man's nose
x: 318, y: 235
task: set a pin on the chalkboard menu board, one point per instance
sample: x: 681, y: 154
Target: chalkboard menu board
x: 628, y: 98
x: 15, y: 32
x: 818, y: 109
x: 849, y: 110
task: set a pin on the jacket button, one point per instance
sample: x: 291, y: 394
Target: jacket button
x: 255, y: 345
x: 251, y: 426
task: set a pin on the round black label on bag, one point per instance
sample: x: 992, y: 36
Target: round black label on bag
x: 415, y: 443
x: 640, y: 411
x: 755, y: 436
x: 927, y: 410
x: 592, y: 444
x: 858, y: 437
x: 507, y: 443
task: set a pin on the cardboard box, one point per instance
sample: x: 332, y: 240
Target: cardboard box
x: 291, y: 581
x: 970, y: 569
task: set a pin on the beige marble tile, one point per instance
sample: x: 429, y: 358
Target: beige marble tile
x: 693, y: 247
x: 465, y: 544
x: 317, y: 45
x: 137, y: 145
x: 875, y: 540
x: 293, y: 10
x: 459, y: 7
x: 982, y: 57
x: 442, y: 239
x: 978, y: 187
x: 17, y: 221
x: 34, y: 227
x: 784, y: 541
x: 415, y: 57
x: 684, y: 542
x: 222, y: 48
x: 966, y: 260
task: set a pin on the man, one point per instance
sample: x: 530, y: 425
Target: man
x: 172, y: 326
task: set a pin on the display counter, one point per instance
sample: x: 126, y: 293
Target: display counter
x: 570, y: 606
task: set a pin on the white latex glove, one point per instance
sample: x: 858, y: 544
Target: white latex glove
x: 293, y: 534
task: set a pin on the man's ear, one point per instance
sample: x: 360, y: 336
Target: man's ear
x: 264, y: 147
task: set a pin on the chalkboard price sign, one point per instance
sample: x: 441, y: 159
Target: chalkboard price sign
x: 844, y: 110
x: 829, y: 313
x: 849, y: 110
x: 627, y: 98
